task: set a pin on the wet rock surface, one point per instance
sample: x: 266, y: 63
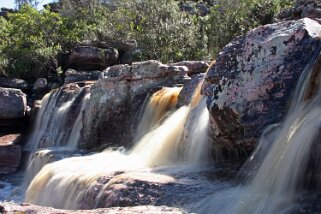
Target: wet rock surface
x: 251, y: 83
x: 165, y: 186
x: 29, y: 208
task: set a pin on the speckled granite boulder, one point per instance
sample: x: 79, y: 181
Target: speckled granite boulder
x: 251, y: 83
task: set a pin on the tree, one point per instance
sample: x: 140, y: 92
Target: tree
x: 162, y: 30
x: 31, y: 38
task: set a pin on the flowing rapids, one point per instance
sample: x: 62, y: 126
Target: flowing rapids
x: 54, y: 124
x: 64, y: 136
x: 65, y: 183
x: 158, y: 106
x: 278, y: 167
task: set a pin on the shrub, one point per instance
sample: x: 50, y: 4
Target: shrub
x: 230, y: 18
x: 162, y: 31
x: 30, y: 39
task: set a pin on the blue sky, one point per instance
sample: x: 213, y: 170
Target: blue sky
x: 10, y: 3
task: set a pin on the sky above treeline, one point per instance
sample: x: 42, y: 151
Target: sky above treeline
x: 11, y: 4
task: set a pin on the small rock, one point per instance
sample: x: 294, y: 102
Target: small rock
x: 41, y: 84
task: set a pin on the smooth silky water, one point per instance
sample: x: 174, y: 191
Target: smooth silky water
x: 176, y: 141
x: 173, y: 146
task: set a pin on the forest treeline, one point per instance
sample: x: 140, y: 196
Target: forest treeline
x: 164, y: 29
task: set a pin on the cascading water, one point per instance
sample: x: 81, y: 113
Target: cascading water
x: 55, y: 124
x: 159, y: 104
x: 282, y: 156
x: 55, y: 128
x: 64, y: 184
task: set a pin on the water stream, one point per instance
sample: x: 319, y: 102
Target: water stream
x: 164, y: 144
x: 171, y: 160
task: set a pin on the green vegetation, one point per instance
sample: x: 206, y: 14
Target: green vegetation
x: 230, y: 18
x: 30, y: 39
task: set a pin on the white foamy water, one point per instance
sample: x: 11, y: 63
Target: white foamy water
x: 53, y: 127
x: 63, y: 184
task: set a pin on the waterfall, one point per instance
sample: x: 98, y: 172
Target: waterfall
x: 58, y: 121
x: 159, y: 104
x: 63, y: 184
x: 280, y: 162
x: 58, y: 127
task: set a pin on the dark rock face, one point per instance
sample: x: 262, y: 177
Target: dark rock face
x: 14, y: 83
x: 89, y: 58
x: 29, y: 208
x: 117, y: 98
x: 12, y: 103
x: 250, y: 85
x: 10, y: 154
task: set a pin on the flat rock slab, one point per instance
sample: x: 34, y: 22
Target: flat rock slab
x: 29, y: 208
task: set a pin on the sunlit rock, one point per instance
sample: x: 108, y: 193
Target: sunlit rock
x: 117, y: 97
x: 252, y: 81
